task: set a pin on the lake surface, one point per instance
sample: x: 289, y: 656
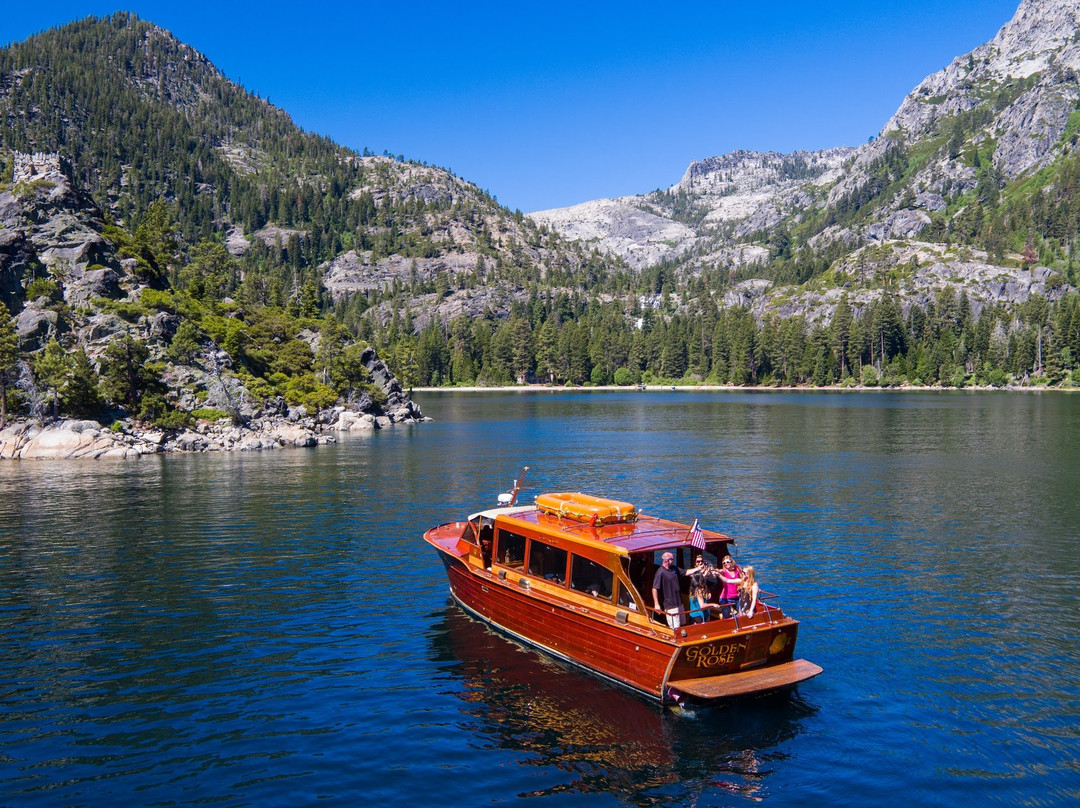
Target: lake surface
x: 270, y: 629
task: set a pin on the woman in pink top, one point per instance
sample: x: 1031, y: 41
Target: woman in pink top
x: 730, y: 576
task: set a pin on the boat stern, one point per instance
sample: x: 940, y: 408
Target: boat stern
x: 738, y: 663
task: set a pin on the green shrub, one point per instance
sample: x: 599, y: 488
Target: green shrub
x: 278, y: 381
x: 310, y: 392
x: 41, y: 287
x: 869, y: 376
x: 185, y: 343
x: 172, y: 418
x: 209, y: 414
x: 121, y: 308
x: 155, y: 299
x: 259, y: 389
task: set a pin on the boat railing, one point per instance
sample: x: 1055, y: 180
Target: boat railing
x: 768, y: 612
x: 772, y: 612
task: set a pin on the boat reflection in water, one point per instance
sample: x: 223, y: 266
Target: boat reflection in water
x: 610, y: 740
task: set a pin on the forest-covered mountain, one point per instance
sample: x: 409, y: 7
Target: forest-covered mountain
x: 234, y: 246
x: 137, y: 181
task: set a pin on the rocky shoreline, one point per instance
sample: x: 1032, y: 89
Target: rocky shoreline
x: 75, y: 439
x: 733, y: 388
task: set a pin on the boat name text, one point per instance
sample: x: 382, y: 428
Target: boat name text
x: 710, y: 656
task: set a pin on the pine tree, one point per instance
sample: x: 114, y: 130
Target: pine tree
x: 51, y: 368
x: 9, y: 357
x: 547, y: 350
x: 80, y: 393
x: 124, y: 376
x: 841, y: 334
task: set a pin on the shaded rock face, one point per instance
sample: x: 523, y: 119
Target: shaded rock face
x: 93, y: 283
x: 36, y: 326
x: 399, y: 407
x: 163, y: 327
x: 17, y: 255
x: 47, y: 226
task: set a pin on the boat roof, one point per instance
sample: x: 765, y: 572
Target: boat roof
x: 491, y: 513
x: 644, y: 534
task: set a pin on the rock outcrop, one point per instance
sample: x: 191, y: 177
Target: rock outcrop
x: 66, y: 440
x: 621, y: 227
x: 62, y: 279
x: 399, y: 407
x: 49, y: 227
x: 913, y: 273
x: 272, y: 429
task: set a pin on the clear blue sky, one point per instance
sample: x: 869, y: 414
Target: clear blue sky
x: 549, y: 104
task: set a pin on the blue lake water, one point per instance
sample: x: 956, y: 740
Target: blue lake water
x: 269, y: 629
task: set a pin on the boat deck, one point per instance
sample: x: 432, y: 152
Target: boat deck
x: 745, y: 682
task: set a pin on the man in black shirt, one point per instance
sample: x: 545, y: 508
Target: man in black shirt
x: 665, y: 590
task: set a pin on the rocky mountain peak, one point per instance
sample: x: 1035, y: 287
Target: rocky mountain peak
x: 1041, y: 38
x: 742, y: 170
x: 1041, y: 33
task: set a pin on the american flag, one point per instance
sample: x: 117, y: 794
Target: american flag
x: 697, y: 537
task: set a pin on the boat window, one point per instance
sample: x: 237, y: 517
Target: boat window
x: 547, y: 562
x: 485, y: 536
x: 511, y: 549
x: 684, y: 556
x: 626, y: 598
x: 588, y: 576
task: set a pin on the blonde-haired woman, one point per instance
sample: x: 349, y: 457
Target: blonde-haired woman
x: 730, y: 576
x: 748, y: 592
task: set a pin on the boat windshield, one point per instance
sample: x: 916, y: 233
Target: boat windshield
x: 480, y: 530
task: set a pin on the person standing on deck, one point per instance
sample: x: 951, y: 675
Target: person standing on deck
x: 730, y: 578
x: 748, y: 593
x: 665, y: 590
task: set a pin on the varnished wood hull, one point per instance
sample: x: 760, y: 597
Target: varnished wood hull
x: 701, y: 666
x: 634, y: 660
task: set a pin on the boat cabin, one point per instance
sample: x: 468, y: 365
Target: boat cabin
x: 595, y: 551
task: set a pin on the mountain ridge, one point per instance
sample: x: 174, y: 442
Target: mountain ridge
x: 255, y: 263
x: 1013, y: 97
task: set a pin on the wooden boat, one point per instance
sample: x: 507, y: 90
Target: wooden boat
x: 572, y: 575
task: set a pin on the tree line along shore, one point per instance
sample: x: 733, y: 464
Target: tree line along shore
x: 564, y: 340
